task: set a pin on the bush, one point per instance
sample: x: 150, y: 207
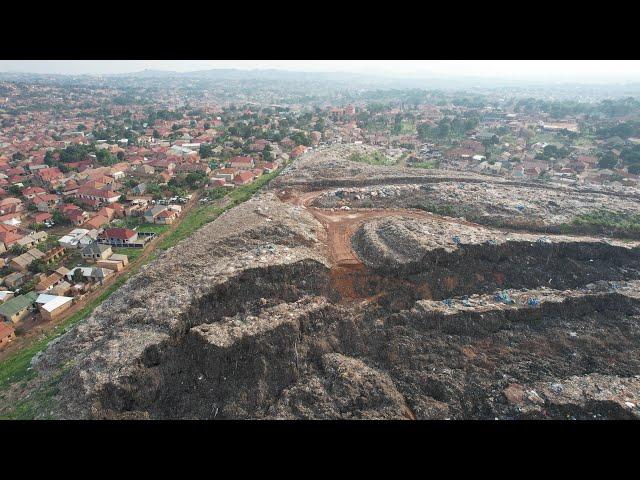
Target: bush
x: 605, y: 222
x: 374, y: 158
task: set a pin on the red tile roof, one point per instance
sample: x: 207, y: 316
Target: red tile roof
x: 9, y: 238
x: 119, y: 233
x: 6, y: 330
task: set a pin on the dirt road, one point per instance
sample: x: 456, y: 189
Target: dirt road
x: 340, y: 225
x: 352, y: 281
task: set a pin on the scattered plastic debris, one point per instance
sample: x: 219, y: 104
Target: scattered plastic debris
x: 504, y: 298
x: 533, y: 302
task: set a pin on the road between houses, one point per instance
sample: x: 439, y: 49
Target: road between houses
x: 33, y: 334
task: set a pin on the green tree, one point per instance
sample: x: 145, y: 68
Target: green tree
x: 49, y: 158
x: 206, y: 150
x: 59, y: 219
x: 17, y: 249
x: 77, y: 276
x: 424, y: 131
x: 444, y: 129
x: 37, y: 266
x: 104, y: 157
x: 607, y: 160
x: 195, y: 179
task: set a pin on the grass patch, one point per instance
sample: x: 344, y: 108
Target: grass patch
x: 432, y: 164
x: 373, y: 158
x: 37, y: 402
x: 446, y: 209
x: 152, y: 228
x: 131, y: 253
x: 602, y: 221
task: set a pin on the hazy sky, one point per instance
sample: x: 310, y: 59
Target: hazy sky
x: 552, y: 70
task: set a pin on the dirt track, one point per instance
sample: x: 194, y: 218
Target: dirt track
x: 349, y: 276
x: 340, y: 225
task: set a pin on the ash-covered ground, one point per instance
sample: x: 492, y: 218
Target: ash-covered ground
x: 348, y: 291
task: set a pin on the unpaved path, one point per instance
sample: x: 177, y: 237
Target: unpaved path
x: 341, y: 225
x: 349, y: 276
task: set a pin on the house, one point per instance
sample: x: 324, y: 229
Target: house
x: 5, y: 295
x: 242, y: 163
x: 70, y: 187
x: 243, y: 178
x: 15, y: 279
x: 30, y: 192
x: 8, y: 237
x: 297, y: 151
x: 101, y: 196
x: 136, y: 208
x: 41, y: 217
x: 225, y: 174
x: 17, y: 308
x: 11, y: 219
x: 96, y: 251
x: 45, y: 202
x: 269, y: 167
x: 163, y: 178
x: 22, y: 262
x: 161, y: 214
x: 107, y: 212
x: 49, y: 282
x: 518, y: 171
x: 143, y: 170
x: 62, y: 288
x: 91, y: 274
x: 166, y: 217
x: 52, y: 255
x: 11, y: 205
x: 32, y: 239
x: 78, y: 238
x: 118, y: 237
x: 139, y: 189
x: 96, y: 222
x: 49, y: 176
x: 52, y: 306
x: 110, y: 265
x: 7, y: 333
x: 217, y: 182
